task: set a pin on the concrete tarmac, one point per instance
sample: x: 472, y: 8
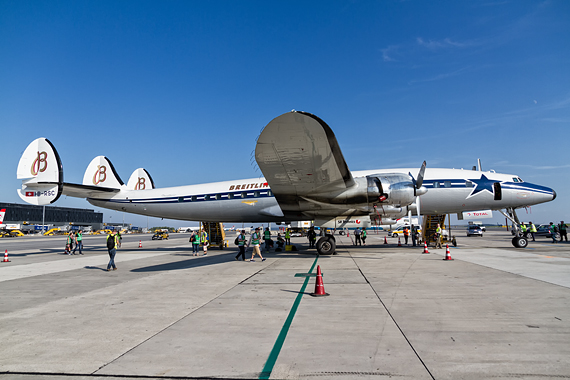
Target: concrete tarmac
x: 494, y: 312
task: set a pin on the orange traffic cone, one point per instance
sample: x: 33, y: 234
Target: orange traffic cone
x: 140, y: 243
x: 385, y: 240
x: 447, y: 253
x: 425, y: 247
x: 399, y: 243
x: 319, y: 286
x: 6, y: 257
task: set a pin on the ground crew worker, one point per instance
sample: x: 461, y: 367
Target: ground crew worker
x: 69, y: 244
x: 562, y: 229
x: 357, y: 234
x: 112, y: 248
x: 312, y: 236
x: 204, y: 241
x: 552, y: 229
x: 363, y: 237
x: 267, y: 238
x: 119, y: 239
x: 287, y: 236
x: 255, y: 240
x: 438, y: 237
x: 532, y: 229
x: 241, y: 245
x: 523, y: 230
x: 414, y: 237
x: 406, y: 235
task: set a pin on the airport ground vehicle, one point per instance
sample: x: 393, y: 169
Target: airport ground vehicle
x: 6, y: 233
x: 161, y: 235
x: 400, y: 231
x: 474, y: 231
x: 544, y: 230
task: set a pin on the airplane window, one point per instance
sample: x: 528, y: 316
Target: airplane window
x: 256, y: 194
x: 447, y: 184
x: 244, y: 195
x: 468, y: 184
x: 269, y: 193
x: 436, y: 185
x: 231, y: 196
x: 193, y: 198
x: 517, y: 179
x: 206, y: 197
x: 180, y: 199
x: 218, y: 196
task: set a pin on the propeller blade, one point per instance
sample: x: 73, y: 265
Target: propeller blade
x: 420, y: 179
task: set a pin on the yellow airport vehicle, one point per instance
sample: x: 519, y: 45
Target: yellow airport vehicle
x: 16, y: 233
x: 51, y: 232
x: 160, y: 235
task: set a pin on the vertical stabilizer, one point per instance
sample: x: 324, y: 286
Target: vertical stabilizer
x: 101, y: 172
x: 41, y: 173
x: 140, y: 180
x: 2, y: 213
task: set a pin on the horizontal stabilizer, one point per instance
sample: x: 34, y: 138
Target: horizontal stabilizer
x: 140, y: 180
x: 41, y: 173
x: 102, y: 173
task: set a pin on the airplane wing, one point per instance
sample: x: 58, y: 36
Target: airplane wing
x: 86, y: 191
x: 300, y: 157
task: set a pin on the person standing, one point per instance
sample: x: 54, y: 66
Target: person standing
x: 267, y: 238
x: 438, y: 237
x: 112, y: 248
x: 255, y: 240
x: 357, y: 240
x: 78, y: 242
x: 363, y: 237
x: 563, y: 233
x: 69, y: 245
x: 552, y: 229
x: 195, y: 240
x: 312, y: 236
x: 119, y: 238
x: 205, y: 241
x: 524, y: 230
x: 414, y: 236
x: 406, y: 235
x: 287, y: 236
x: 241, y: 245
x: 532, y: 229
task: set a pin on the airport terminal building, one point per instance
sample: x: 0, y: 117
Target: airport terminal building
x: 24, y: 214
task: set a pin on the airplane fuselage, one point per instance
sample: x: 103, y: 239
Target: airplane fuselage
x: 251, y: 200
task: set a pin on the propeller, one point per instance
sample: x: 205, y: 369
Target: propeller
x: 418, y: 189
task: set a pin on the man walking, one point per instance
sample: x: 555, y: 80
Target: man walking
x: 241, y: 245
x: 255, y: 240
x: 357, y: 240
x: 78, y: 242
x: 111, y: 247
x: 562, y: 229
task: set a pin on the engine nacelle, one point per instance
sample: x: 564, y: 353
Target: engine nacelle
x: 390, y: 188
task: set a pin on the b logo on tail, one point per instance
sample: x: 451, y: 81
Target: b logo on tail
x: 36, y: 165
x: 100, y: 174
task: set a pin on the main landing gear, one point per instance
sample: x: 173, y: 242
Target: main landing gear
x: 326, y: 245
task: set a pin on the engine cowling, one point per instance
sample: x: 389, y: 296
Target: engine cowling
x: 395, y: 189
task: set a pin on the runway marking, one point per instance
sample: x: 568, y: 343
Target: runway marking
x: 14, y: 272
x: 270, y: 363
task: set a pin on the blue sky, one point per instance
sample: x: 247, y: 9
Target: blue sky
x: 183, y: 88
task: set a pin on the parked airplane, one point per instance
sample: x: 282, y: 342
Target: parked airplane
x: 306, y: 178
x: 2, y: 213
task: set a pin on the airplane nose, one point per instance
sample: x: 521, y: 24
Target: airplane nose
x: 553, y: 195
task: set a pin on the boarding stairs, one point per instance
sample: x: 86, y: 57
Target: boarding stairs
x: 216, y: 234
x: 429, y: 226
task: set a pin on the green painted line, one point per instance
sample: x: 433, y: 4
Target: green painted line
x: 268, y: 367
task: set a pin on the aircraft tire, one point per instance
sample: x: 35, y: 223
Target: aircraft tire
x: 520, y: 242
x: 326, y: 246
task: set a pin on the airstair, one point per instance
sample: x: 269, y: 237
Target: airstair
x: 216, y: 234
x: 429, y: 226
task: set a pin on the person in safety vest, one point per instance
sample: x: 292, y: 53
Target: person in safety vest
x: 267, y: 238
x: 438, y: 237
x: 255, y: 239
x: 363, y: 236
x: 205, y: 242
x: 288, y: 236
x: 69, y: 244
x: 524, y: 231
x: 532, y: 229
x: 241, y: 245
x: 406, y: 235
x: 78, y: 242
x: 195, y: 240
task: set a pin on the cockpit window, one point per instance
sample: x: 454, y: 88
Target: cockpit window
x: 517, y: 179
